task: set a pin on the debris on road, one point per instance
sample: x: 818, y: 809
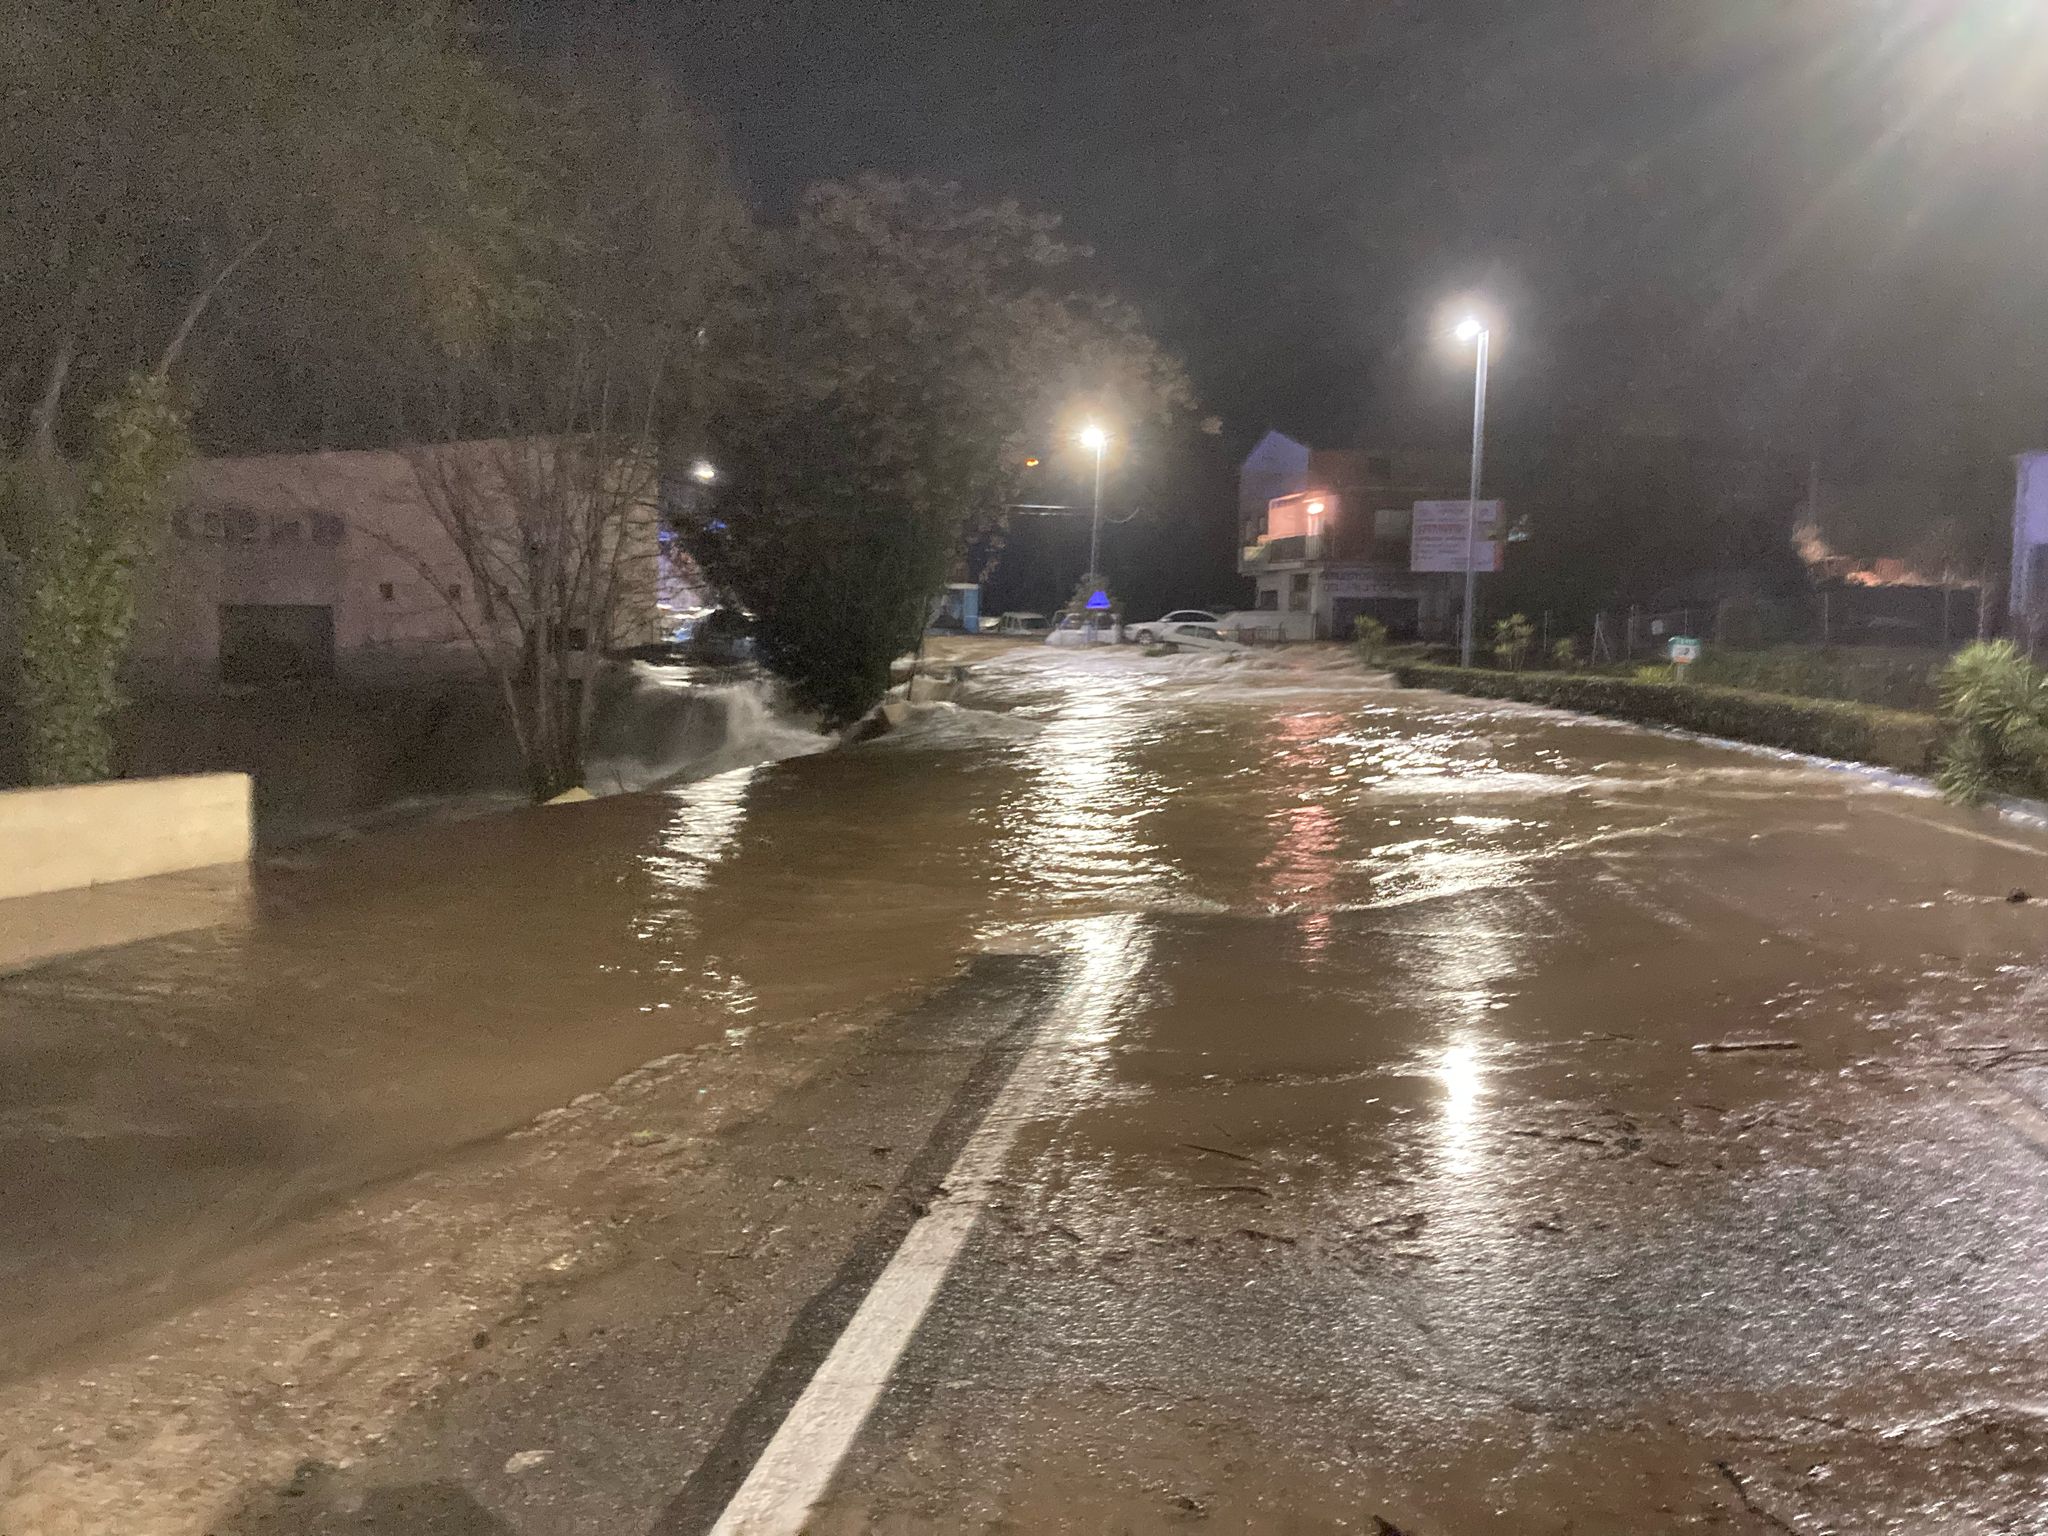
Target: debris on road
x: 526, y: 1461
x: 1747, y: 1045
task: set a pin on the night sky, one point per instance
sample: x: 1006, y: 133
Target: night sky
x: 1782, y: 228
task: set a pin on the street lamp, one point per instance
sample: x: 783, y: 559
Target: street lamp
x: 1471, y: 329
x: 703, y: 472
x: 1094, y: 437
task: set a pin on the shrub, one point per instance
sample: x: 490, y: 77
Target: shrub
x: 1565, y: 654
x: 1823, y: 727
x: 1370, y: 636
x: 1895, y: 677
x: 77, y: 575
x: 1996, y: 704
x: 1512, y: 637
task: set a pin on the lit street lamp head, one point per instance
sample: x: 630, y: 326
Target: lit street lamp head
x: 1471, y: 328
x: 703, y: 472
x: 1094, y: 438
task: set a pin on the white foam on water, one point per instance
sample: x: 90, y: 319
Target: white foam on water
x: 673, y: 725
x: 942, y: 724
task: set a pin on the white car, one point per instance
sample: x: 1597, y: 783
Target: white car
x: 1147, y: 634
x: 1192, y: 637
x: 1085, y: 629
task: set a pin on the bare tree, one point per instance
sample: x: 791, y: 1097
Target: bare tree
x: 542, y: 463
x: 558, y: 535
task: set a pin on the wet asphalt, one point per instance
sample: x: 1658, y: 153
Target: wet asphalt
x: 1475, y: 1120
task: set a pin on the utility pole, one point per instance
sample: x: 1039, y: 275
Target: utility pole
x: 1473, y: 330
x: 1094, y: 437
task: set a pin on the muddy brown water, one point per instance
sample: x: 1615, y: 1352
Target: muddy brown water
x: 1401, y: 1079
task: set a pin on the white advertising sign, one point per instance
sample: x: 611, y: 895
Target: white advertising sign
x: 1439, y: 540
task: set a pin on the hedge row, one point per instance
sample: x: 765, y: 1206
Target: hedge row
x: 1859, y: 733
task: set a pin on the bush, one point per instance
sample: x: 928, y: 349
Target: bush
x: 1512, y: 637
x: 1895, y: 678
x: 1996, y: 703
x: 1565, y: 655
x: 1370, y: 636
x: 1822, y: 727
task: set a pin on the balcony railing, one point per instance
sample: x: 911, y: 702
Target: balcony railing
x: 1268, y: 552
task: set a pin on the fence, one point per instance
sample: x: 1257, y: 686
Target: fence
x: 1925, y: 618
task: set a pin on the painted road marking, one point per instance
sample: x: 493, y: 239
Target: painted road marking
x: 2018, y: 1111
x: 801, y: 1459
x: 1941, y: 826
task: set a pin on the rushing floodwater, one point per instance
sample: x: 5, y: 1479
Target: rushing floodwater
x: 1246, y: 852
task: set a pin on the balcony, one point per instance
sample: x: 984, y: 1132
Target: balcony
x: 1271, y: 552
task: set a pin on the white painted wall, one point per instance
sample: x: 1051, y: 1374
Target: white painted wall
x: 72, y: 835
x: 2029, y: 532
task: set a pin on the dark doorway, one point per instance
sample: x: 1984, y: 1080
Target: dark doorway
x: 275, y: 642
x: 1401, y: 615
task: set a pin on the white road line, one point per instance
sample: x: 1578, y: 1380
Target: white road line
x: 2016, y: 1110
x: 799, y: 1462
x: 1942, y: 826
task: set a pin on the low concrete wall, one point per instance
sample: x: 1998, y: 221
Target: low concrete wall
x: 73, y: 835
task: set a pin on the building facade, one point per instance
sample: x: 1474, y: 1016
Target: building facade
x: 293, y: 567
x: 1326, y: 537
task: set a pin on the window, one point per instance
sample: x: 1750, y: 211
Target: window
x: 286, y: 530
x: 384, y: 591
x: 1269, y: 598
x: 1379, y: 466
x: 243, y: 526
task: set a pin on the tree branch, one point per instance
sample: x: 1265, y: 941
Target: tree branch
x: 176, y: 347
x: 43, y: 420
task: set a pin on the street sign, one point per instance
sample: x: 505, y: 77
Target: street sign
x: 1685, y: 650
x: 1438, y: 542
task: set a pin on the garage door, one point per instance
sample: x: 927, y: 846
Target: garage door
x: 275, y: 642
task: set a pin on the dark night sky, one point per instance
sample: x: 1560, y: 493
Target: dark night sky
x: 1773, y: 222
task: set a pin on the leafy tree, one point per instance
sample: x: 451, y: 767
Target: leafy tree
x: 1564, y: 655
x: 900, y: 347
x: 163, y: 167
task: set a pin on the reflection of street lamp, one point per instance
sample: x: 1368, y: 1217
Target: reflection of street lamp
x: 1094, y: 437
x: 1472, y: 328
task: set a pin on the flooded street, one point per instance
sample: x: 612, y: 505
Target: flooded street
x: 1310, y: 1106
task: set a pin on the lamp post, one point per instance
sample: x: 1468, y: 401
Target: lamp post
x: 1094, y: 437
x: 1474, y: 329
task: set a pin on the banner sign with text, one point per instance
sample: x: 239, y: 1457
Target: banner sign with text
x: 1439, y: 539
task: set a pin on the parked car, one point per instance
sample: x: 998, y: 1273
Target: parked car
x: 1193, y: 637
x: 1147, y: 634
x: 1085, y: 629
x: 1028, y: 625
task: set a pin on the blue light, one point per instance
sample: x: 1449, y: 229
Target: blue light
x: 1098, y: 601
